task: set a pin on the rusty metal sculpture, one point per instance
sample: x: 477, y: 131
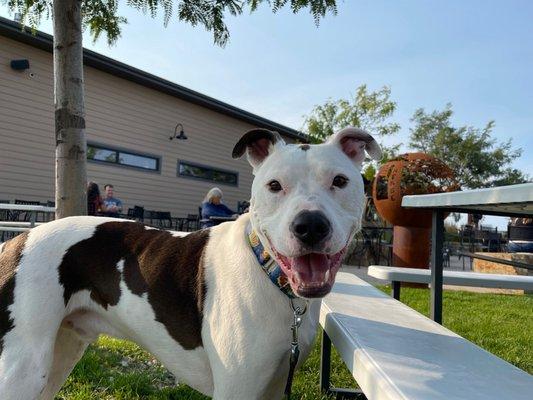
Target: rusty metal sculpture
x: 412, y: 173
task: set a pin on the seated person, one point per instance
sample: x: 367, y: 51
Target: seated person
x: 212, y: 206
x: 113, y: 206
x: 95, y: 206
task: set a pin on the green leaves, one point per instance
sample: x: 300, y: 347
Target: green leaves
x: 477, y: 158
x: 31, y: 10
x: 100, y: 16
x: 367, y: 110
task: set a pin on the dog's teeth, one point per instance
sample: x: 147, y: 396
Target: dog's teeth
x: 326, y: 276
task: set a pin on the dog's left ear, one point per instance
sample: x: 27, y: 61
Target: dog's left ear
x: 258, y: 145
x: 354, y: 142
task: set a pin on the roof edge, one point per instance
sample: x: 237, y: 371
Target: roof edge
x: 14, y: 30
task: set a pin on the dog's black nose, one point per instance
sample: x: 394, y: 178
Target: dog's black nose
x: 311, y: 227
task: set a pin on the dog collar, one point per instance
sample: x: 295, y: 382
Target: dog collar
x: 268, y: 264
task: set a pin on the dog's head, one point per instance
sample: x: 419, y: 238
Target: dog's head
x: 307, y: 201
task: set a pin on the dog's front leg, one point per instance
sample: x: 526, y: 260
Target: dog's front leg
x: 250, y: 359
x: 251, y: 381
x: 242, y: 389
x: 248, y: 356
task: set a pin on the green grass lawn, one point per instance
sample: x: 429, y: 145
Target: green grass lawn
x: 117, y: 369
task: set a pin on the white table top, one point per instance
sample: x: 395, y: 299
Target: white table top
x: 396, y: 353
x: 513, y: 199
x: 459, y: 278
x: 24, y: 207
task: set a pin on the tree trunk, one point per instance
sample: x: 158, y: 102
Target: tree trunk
x: 71, y: 145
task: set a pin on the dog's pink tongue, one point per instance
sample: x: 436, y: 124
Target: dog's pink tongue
x: 311, y: 267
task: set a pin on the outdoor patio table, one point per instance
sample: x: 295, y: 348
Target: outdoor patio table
x: 33, y: 209
x: 513, y: 200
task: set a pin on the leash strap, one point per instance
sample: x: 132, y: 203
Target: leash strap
x: 295, y: 348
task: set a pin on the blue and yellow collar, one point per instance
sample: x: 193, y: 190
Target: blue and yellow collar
x: 268, y: 264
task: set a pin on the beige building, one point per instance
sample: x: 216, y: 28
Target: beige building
x: 130, y: 116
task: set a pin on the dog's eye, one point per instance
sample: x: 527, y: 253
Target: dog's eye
x: 340, y: 181
x: 274, y: 186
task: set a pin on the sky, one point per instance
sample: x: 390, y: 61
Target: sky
x: 477, y: 55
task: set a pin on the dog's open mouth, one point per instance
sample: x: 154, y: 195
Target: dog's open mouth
x: 311, y: 275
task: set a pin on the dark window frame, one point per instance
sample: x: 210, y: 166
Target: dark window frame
x: 207, y: 167
x: 117, y: 150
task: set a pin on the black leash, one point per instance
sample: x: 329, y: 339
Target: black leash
x: 295, y: 348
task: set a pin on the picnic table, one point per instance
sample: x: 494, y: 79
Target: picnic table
x: 18, y: 218
x: 396, y: 353
x: 396, y: 275
x: 512, y: 200
x: 12, y: 223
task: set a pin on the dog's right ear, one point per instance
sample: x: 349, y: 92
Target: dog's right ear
x: 258, y: 145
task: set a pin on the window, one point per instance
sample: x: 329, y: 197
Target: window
x: 203, y: 172
x: 122, y: 157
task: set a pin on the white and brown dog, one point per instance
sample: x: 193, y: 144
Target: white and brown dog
x: 200, y: 303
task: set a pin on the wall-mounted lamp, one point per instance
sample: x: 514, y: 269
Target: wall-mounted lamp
x: 181, y: 135
x: 20, y: 65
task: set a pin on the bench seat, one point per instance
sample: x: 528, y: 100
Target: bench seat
x: 457, y: 278
x: 394, y: 352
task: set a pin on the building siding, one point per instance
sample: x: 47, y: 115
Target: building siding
x: 119, y: 113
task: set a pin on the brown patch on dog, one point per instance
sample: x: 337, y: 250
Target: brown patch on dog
x: 92, y: 265
x: 305, y: 147
x: 133, y: 276
x: 10, y: 256
x: 166, y: 267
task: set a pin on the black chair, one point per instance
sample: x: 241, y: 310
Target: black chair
x: 4, y: 213
x: 4, y: 216
x: 243, y: 206
x: 386, y: 245
x: 201, y: 221
x: 136, y: 213
x: 149, y: 216
x: 28, y: 202
x: 193, y: 222
x: 49, y: 216
x: 494, y: 241
x: 164, y: 219
x: 467, y: 236
x: 179, y: 223
x: 24, y: 215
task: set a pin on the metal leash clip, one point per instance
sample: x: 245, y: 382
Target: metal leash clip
x: 295, y: 348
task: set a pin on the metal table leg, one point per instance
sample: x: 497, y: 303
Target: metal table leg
x: 437, y: 238
x: 325, y: 370
x: 396, y: 287
x: 325, y: 362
